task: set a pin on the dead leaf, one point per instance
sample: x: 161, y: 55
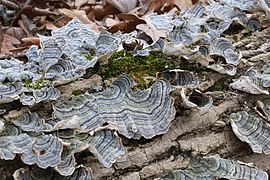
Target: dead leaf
x: 9, y: 43
x: 123, y: 6
x: 27, y: 25
x: 111, y: 22
x: 42, y: 4
x: 60, y: 22
x: 129, y: 24
x: 91, y: 13
x: 80, y: 3
x: 16, y: 32
x: 155, y: 6
x: 102, y: 11
x: 79, y: 14
x: 31, y: 12
x: 129, y: 17
x: 28, y: 41
x: 77, y: 4
x: 185, y: 3
x: 151, y: 31
x: 51, y: 26
x: 39, y: 20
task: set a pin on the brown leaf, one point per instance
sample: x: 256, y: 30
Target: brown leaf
x: 122, y: 26
x: 9, y: 43
x: 80, y: 3
x: 63, y: 21
x: 27, y: 25
x: 75, y: 4
x: 39, y: 20
x: 101, y: 11
x: 124, y: 5
x: 91, y: 13
x: 51, y: 26
x: 151, y: 31
x: 60, y: 22
x: 131, y: 21
x: 28, y: 41
x: 159, y: 6
x: 184, y: 3
x: 16, y: 32
x: 31, y: 12
x: 111, y: 22
x: 129, y: 17
x: 79, y: 14
x: 42, y: 4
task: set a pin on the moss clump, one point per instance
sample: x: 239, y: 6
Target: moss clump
x: 220, y: 85
x: 77, y: 92
x: 191, y: 66
x: 137, y: 67
x: 38, y: 84
x: 27, y: 84
x: 35, y: 85
x: 88, y: 56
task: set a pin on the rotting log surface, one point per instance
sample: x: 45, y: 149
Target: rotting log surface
x: 193, y: 132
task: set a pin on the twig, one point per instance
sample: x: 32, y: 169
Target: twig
x: 1, y: 36
x: 10, y: 4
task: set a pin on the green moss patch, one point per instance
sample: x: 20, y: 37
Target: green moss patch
x: 221, y: 85
x: 137, y: 67
x: 35, y: 85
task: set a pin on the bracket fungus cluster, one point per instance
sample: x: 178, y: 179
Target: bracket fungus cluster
x: 92, y: 121
x: 215, y: 167
x: 141, y: 113
x: 57, y: 149
x: 186, y: 82
x: 62, y: 58
x: 253, y: 82
x: 251, y: 128
x: 65, y: 56
x: 81, y: 173
x: 78, y: 124
x: 201, y: 28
